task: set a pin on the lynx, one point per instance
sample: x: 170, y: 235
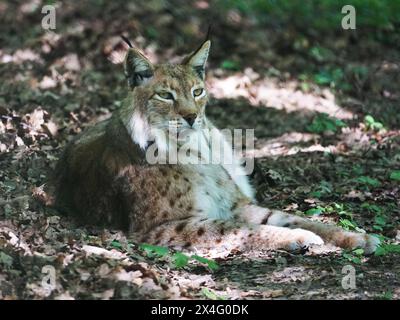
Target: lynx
x: 103, y: 177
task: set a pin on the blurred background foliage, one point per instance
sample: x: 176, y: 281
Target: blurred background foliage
x: 313, y: 16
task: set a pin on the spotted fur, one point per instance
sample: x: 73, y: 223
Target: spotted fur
x: 103, y: 177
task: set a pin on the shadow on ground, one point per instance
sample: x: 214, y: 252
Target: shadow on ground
x: 263, y: 77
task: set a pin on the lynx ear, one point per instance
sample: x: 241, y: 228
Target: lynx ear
x: 198, y: 58
x: 138, y: 69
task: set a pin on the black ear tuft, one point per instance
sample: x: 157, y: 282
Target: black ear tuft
x: 126, y: 40
x: 208, y: 36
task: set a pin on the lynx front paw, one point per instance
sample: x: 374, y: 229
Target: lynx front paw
x: 301, y: 239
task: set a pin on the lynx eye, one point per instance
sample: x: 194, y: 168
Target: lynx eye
x: 165, y: 95
x: 197, y: 92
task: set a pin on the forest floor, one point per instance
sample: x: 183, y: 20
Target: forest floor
x: 326, y: 114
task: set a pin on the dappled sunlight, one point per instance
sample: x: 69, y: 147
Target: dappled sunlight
x: 279, y: 95
x: 350, y: 140
x: 358, y: 139
x: 20, y: 56
x: 30, y: 6
x: 201, y: 4
x: 271, y: 69
x: 288, y: 144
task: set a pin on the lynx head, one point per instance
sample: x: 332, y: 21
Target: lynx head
x: 166, y: 96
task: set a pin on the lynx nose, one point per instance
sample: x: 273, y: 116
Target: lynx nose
x: 190, y: 118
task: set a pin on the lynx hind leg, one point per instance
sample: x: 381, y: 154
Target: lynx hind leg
x: 197, y: 233
x: 330, y: 233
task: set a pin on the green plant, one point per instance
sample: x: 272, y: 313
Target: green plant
x: 345, y: 216
x: 380, y: 219
x: 116, y: 244
x: 329, y: 77
x: 6, y: 261
x: 348, y: 224
x: 380, y: 222
x: 395, y: 175
x: 354, y: 256
x: 358, y: 170
x: 230, y: 65
x: 372, y: 124
x: 387, y: 295
x: 210, y: 263
x: 320, y: 15
x: 323, y: 122
x: 324, y: 188
x: 321, y: 54
x: 178, y: 259
x: 315, y: 211
x: 211, y: 295
x: 368, y: 181
x: 385, y: 249
x: 154, y: 251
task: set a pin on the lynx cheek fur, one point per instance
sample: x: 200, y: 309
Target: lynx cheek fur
x: 103, y: 177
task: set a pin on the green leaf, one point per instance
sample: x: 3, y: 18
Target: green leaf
x: 371, y: 123
x: 230, y: 65
x: 116, y: 244
x: 316, y: 194
x: 369, y: 120
x: 154, y: 250
x: 395, y: 175
x: 372, y: 207
x: 151, y: 32
x: 321, y: 54
x: 368, y: 181
x: 323, y: 78
x: 395, y: 248
x: 305, y: 87
x: 323, y: 122
x: 329, y: 77
x: 388, y: 295
x: 5, y: 260
x: 351, y: 258
x: 380, y: 220
x: 314, y: 211
x: 358, y: 252
x: 211, y: 295
x: 347, y: 224
x: 9, y: 184
x: 180, y: 260
x: 380, y: 251
x: 210, y: 263
x: 384, y: 249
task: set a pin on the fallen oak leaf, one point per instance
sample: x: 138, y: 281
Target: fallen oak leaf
x: 112, y: 254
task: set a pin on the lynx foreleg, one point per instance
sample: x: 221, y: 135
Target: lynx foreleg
x: 230, y: 235
x: 329, y: 233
